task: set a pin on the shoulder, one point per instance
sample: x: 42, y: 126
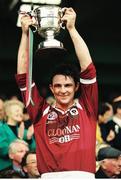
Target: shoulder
x: 110, y: 123
x: 88, y: 76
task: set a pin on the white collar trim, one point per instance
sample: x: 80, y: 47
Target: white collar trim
x: 117, y: 120
x: 63, y: 112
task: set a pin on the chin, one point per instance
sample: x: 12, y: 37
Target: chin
x: 64, y: 102
x: 19, y: 120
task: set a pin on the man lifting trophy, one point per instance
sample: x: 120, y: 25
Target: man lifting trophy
x: 64, y: 131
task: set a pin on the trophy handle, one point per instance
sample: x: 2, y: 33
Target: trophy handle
x: 62, y: 23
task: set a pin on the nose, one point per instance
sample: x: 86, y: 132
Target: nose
x: 63, y: 89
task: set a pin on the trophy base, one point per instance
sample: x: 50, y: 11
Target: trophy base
x: 48, y: 49
x: 51, y: 52
x: 52, y: 43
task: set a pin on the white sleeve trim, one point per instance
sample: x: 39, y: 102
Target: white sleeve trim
x: 46, y: 110
x: 24, y: 89
x: 88, y: 81
x: 79, y: 105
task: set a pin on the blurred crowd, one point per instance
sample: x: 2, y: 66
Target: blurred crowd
x: 18, y: 147
x: 108, y: 139
x: 17, y: 142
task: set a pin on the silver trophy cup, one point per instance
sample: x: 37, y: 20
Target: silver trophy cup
x: 48, y: 20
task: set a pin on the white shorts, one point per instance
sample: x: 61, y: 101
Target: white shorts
x: 68, y: 175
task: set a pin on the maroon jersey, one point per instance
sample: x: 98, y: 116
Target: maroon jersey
x: 65, y: 141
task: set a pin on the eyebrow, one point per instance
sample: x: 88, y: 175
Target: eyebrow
x: 32, y: 161
x: 67, y: 84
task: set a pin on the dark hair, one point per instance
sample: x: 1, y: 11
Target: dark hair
x: 66, y: 70
x: 103, y: 107
x: 116, y: 105
x: 23, y: 163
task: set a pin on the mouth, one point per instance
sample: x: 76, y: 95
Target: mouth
x: 19, y: 117
x: 63, y: 96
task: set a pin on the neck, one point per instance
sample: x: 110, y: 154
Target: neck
x: 64, y: 107
x: 11, y: 122
x: 16, y: 164
x: 118, y: 116
x: 33, y: 176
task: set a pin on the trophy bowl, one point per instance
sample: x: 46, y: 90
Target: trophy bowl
x: 48, y: 20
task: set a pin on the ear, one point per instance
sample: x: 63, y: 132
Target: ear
x: 51, y: 87
x: 104, y: 163
x: 77, y: 86
x: 25, y: 169
x: 100, y: 118
x: 118, y: 110
x: 11, y: 155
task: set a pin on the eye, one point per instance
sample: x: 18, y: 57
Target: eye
x: 57, y: 85
x: 68, y: 85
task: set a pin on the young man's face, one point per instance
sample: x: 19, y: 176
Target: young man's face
x: 31, y: 166
x: 63, y: 89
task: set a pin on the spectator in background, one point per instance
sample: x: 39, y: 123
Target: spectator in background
x: 105, y: 113
x: 17, y: 150
x: 2, y: 113
x: 12, y: 129
x: 114, y: 126
x: 110, y: 167
x: 29, y: 165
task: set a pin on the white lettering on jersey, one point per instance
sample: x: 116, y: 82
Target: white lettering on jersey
x: 67, y: 134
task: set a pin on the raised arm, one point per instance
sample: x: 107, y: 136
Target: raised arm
x: 26, y: 21
x: 80, y: 46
